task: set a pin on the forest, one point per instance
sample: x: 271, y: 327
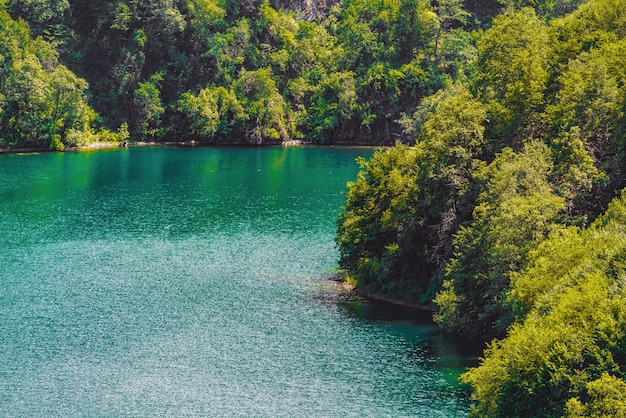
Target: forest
x: 498, y: 200
x: 507, y: 214
x: 225, y: 71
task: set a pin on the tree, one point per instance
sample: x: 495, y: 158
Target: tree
x: 40, y: 100
x: 212, y: 114
x: 377, y: 204
x: 567, y: 354
x: 590, y: 108
x: 265, y: 106
x: 147, y: 108
x: 517, y: 210
x: 545, y: 8
x: 450, y: 13
x: 47, y: 18
x: 606, y: 399
x: 512, y: 74
x: 332, y: 101
x: 396, y: 228
x: 388, y: 45
x: 231, y: 49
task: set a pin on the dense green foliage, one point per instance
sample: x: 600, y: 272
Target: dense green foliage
x: 490, y: 215
x: 567, y: 354
x: 402, y: 209
x: 222, y: 71
x: 41, y: 101
x: 529, y: 141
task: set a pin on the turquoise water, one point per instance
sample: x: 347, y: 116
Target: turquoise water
x: 190, y: 282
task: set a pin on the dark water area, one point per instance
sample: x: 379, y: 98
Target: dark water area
x: 191, y: 282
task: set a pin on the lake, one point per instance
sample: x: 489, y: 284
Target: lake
x: 192, y: 282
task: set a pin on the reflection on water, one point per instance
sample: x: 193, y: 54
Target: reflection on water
x: 449, y: 352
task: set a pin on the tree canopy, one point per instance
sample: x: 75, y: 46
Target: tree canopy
x: 506, y: 213
x: 150, y: 65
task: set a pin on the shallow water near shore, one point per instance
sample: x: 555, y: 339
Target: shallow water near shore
x: 191, y: 282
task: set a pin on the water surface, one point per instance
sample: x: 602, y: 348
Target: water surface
x: 190, y: 282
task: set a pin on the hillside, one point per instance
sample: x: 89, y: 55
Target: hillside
x: 506, y: 216
x: 218, y: 71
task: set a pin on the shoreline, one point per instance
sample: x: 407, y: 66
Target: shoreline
x: 181, y: 144
x: 373, y: 296
x: 339, y: 278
